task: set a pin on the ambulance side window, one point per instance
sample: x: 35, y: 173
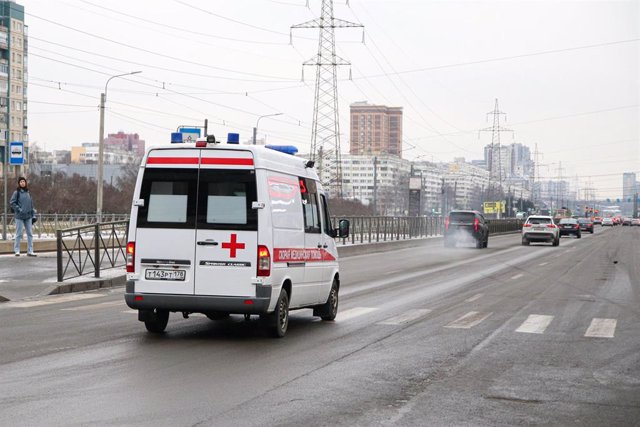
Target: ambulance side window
x: 310, y: 206
x: 224, y: 199
x: 170, y: 196
x: 327, y: 227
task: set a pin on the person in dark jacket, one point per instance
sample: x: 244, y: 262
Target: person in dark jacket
x: 22, y: 206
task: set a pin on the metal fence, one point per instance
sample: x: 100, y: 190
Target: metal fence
x: 91, y: 248
x: 48, y: 224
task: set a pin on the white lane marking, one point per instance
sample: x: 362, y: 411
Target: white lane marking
x: 517, y: 276
x: 53, y: 300
x: 543, y: 263
x: 469, y: 320
x: 353, y: 312
x: 535, y: 324
x: 601, y: 328
x: 473, y: 298
x: 130, y: 311
x: 95, y: 306
x: 407, y: 317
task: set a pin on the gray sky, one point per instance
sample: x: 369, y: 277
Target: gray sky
x: 445, y: 62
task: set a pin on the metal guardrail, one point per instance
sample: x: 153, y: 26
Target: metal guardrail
x: 91, y: 248
x: 95, y: 247
x: 48, y: 224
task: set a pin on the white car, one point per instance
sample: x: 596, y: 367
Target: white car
x: 540, y: 228
x: 607, y: 222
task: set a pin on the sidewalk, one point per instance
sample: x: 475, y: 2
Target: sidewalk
x: 27, y: 277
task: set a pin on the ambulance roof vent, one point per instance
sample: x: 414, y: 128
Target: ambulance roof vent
x: 287, y: 149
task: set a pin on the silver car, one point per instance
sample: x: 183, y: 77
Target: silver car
x: 540, y: 228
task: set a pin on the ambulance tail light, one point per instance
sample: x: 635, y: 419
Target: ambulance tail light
x: 476, y: 224
x: 131, y: 257
x: 264, y: 261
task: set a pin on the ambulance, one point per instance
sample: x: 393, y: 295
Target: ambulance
x: 225, y: 229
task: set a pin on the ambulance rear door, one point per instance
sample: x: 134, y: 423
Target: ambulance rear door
x: 227, y: 226
x: 165, y: 231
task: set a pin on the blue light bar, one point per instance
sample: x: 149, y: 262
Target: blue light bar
x: 176, y: 137
x: 233, y: 138
x: 287, y: 149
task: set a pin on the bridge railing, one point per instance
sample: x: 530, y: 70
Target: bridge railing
x: 91, y: 248
x: 48, y: 224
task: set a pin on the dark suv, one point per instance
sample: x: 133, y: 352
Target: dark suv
x: 464, y: 227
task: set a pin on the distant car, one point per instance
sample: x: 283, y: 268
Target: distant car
x: 626, y: 221
x: 597, y: 220
x: 607, y: 222
x: 540, y: 228
x: 569, y: 226
x: 635, y: 221
x: 466, y: 226
x: 586, y: 224
x: 617, y: 220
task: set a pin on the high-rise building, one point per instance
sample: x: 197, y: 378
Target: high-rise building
x: 375, y: 129
x: 629, y: 185
x: 129, y: 142
x: 13, y: 74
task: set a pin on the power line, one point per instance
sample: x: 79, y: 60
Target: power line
x: 502, y: 58
x: 161, y: 55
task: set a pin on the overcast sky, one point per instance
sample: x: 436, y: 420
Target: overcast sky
x: 565, y: 72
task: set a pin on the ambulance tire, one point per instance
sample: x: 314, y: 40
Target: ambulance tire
x: 278, y: 321
x: 157, y: 321
x: 329, y: 310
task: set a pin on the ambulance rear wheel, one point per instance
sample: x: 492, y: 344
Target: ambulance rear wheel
x: 157, y: 322
x: 278, y: 321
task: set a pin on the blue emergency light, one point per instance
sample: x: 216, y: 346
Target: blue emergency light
x: 176, y: 137
x: 233, y: 138
x: 287, y: 149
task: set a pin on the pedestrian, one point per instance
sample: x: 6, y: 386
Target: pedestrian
x: 22, y: 205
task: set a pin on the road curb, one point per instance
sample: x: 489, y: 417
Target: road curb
x: 88, y: 285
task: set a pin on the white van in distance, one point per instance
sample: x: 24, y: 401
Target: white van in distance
x: 226, y: 229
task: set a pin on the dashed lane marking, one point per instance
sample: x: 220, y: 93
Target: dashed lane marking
x: 543, y: 264
x: 473, y: 298
x: 407, y: 317
x: 52, y: 300
x: 601, y: 328
x: 469, y: 320
x: 535, y: 324
x: 95, y: 306
x: 517, y: 276
x: 353, y: 312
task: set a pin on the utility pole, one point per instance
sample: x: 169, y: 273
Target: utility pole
x: 326, y: 127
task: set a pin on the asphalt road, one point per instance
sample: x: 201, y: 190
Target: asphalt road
x: 508, y: 335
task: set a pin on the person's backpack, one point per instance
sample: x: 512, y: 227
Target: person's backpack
x: 17, y: 201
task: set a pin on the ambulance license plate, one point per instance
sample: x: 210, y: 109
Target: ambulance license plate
x: 158, y: 274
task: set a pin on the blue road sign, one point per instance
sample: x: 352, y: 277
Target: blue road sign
x: 190, y: 134
x: 16, y: 153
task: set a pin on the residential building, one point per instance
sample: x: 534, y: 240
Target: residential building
x: 375, y: 130
x: 125, y: 142
x: 13, y: 75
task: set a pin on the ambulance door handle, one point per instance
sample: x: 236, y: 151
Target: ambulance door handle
x: 208, y: 243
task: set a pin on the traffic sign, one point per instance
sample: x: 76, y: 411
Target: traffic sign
x: 190, y: 134
x: 16, y: 153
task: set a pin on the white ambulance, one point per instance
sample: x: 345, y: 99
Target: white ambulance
x: 226, y: 229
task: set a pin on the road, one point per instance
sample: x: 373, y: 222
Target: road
x: 508, y: 335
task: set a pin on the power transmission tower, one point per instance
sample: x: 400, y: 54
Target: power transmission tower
x: 495, y: 130
x: 325, y: 137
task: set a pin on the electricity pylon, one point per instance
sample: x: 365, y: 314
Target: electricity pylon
x: 325, y: 137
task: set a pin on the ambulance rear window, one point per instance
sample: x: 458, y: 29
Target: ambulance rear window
x: 169, y: 196
x: 225, y: 198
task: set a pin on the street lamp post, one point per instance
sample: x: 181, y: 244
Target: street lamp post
x: 99, y: 178
x: 255, y: 129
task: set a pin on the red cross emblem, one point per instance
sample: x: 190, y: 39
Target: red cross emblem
x: 233, y: 245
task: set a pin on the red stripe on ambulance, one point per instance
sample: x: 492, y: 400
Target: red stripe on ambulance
x: 172, y: 161
x: 226, y: 161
